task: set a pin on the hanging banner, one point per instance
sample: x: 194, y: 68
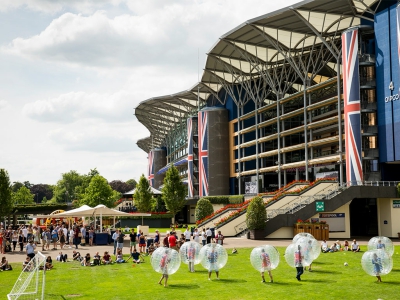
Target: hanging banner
x: 203, y: 153
x: 352, y: 115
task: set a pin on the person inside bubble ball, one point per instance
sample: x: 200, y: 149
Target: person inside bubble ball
x: 212, y: 258
x: 380, y: 245
x: 191, y: 253
x: 164, y: 267
x: 265, y: 265
x: 298, y: 262
x: 376, y: 261
x: 308, y: 254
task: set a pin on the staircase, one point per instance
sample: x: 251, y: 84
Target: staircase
x: 333, y: 201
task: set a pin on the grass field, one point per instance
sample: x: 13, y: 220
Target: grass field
x: 330, y: 279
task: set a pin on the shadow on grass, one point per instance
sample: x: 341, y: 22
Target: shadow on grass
x: 388, y: 282
x: 183, y: 286
x: 201, y: 271
x: 317, y: 281
x: 321, y: 263
x: 326, y: 272
x: 231, y: 280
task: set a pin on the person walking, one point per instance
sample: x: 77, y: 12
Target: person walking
x: 298, y: 262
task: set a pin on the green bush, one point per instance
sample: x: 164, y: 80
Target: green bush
x: 256, y: 215
x: 236, y: 199
x: 398, y: 190
x: 217, y: 199
x: 204, y: 208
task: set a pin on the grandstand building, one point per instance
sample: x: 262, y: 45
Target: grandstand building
x: 305, y: 92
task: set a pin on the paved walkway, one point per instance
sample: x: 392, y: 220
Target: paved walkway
x: 229, y: 243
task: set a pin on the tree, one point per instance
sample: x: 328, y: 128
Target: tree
x: 173, y: 191
x: 6, y: 202
x: 16, y: 186
x: 132, y: 183
x: 120, y: 186
x: 42, y: 191
x: 23, y: 196
x: 143, y: 195
x: 256, y: 215
x: 69, y: 186
x: 204, y: 208
x: 98, y: 192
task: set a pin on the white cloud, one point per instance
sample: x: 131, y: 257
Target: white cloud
x: 3, y: 104
x: 165, y: 33
x: 53, y: 6
x: 73, y: 106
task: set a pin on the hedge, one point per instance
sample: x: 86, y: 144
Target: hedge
x: 153, y: 216
x: 235, y: 199
x: 21, y: 208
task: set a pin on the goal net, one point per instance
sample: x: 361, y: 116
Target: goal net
x: 31, y: 282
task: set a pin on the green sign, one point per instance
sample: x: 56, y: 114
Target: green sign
x: 319, y: 205
x: 396, y: 203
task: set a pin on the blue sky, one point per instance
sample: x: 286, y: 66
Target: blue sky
x: 72, y: 71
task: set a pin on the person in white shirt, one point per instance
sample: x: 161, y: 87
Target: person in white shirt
x: 25, y: 233
x: 209, y: 235
x: 355, y: 247
x: 203, y: 237
x: 324, y: 246
x: 196, y: 236
x: 187, y: 234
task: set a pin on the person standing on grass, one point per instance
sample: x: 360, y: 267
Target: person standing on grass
x: 191, y: 253
x: 115, y: 239
x: 157, y: 238
x: 209, y: 235
x: 172, y: 241
x: 133, y: 240
x: 187, y: 234
x: 376, y: 261
x: 77, y: 238
x: 203, y: 237
x: 165, y: 240
x: 120, y: 240
x: 265, y: 265
x: 164, y: 267
x: 196, y: 236
x: 212, y: 258
x: 298, y: 258
x: 30, y: 249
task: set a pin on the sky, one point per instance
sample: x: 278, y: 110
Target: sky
x: 72, y: 72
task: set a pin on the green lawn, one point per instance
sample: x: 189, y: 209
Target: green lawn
x: 330, y: 279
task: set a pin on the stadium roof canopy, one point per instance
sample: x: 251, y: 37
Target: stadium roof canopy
x: 289, y: 49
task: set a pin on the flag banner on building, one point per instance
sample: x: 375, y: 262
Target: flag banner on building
x: 203, y: 153
x: 398, y: 33
x: 352, y: 116
x: 190, y: 157
x: 150, y: 168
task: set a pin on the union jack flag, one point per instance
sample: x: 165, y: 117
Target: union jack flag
x: 190, y: 157
x: 398, y: 31
x: 150, y: 168
x: 352, y: 118
x: 203, y: 153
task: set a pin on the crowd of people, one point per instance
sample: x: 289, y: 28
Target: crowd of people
x: 337, y: 246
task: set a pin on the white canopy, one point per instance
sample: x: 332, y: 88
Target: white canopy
x: 152, y: 190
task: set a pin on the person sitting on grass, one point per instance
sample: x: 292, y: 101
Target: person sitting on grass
x: 86, y: 260
x: 76, y: 256
x: 61, y: 257
x: 96, y: 259
x: 355, y: 247
x: 120, y: 259
x: 4, y: 265
x: 151, y: 249
x: 346, y: 245
x: 49, y: 263
x: 26, y: 266
x: 135, y: 257
x: 106, y: 258
x: 333, y: 248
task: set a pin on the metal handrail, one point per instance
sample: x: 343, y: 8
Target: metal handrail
x: 241, y: 227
